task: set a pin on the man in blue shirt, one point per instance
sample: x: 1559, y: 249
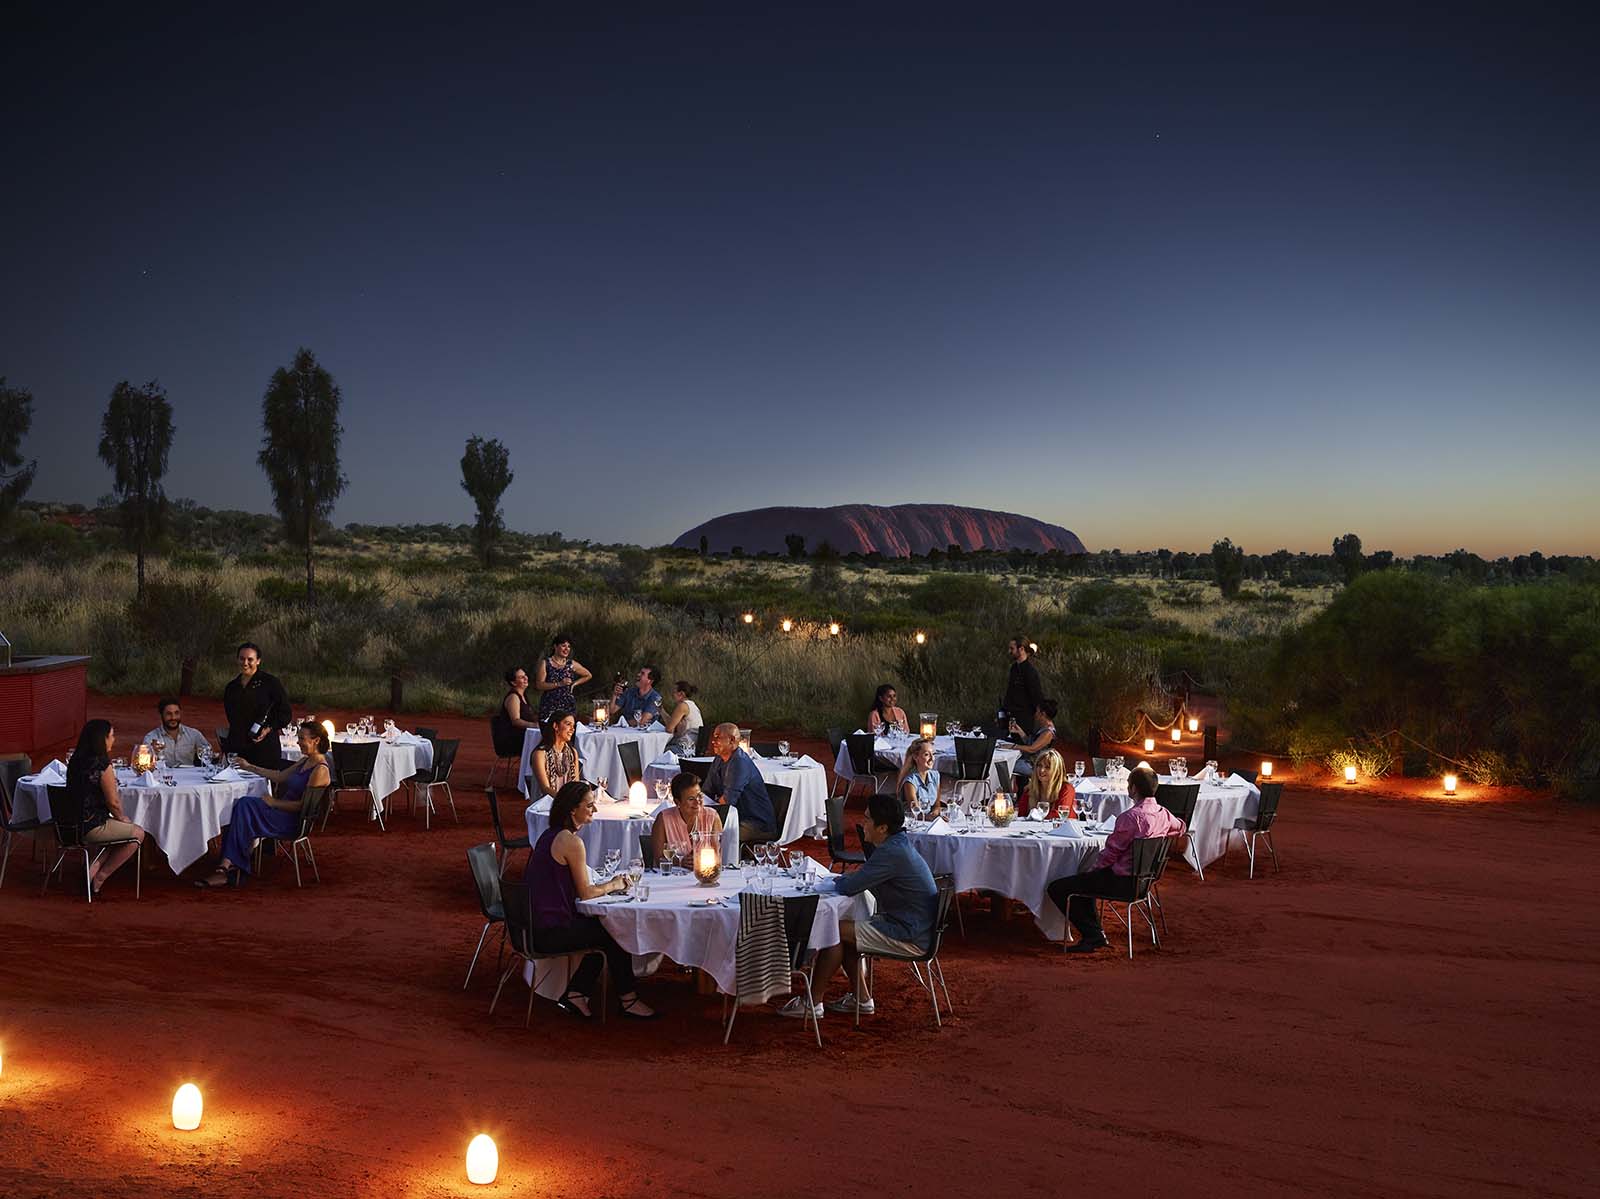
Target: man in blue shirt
x: 734, y: 779
x: 641, y: 699
x: 907, y: 898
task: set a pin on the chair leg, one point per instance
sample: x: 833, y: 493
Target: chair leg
x: 1272, y: 849
x: 733, y: 1014
x: 60, y: 857
x: 939, y: 966
x: 1250, y: 851
x: 510, y: 966
x: 934, y: 996
x: 6, y: 859
x: 811, y: 1007
x: 88, y: 889
x: 482, y: 937
x: 451, y: 796
x: 138, y: 874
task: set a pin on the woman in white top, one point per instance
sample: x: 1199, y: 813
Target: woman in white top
x: 684, y: 724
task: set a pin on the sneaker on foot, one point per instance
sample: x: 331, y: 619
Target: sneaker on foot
x: 847, y: 1004
x: 795, y: 1009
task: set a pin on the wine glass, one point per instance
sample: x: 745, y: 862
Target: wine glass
x: 635, y: 870
x: 783, y: 749
x: 1040, y: 810
x: 600, y: 784
x: 1077, y: 770
x: 663, y: 789
x: 608, y: 868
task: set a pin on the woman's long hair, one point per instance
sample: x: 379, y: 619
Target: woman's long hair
x: 89, y: 755
x: 547, y: 728
x: 1049, y: 772
x: 567, y: 801
x: 911, y: 752
x: 878, y: 705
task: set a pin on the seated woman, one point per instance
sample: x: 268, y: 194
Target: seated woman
x: 513, y: 717
x: 683, y: 725
x: 557, y: 877
x: 1048, y: 786
x: 555, y: 761
x: 277, y: 816
x: 884, y: 715
x: 93, y: 783
x: 918, y: 787
x: 670, y: 835
x: 1044, y: 736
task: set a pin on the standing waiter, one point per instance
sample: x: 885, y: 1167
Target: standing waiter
x: 257, y: 707
x: 1024, y: 691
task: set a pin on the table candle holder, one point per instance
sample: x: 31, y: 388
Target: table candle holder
x: 705, y: 850
x: 1002, y: 811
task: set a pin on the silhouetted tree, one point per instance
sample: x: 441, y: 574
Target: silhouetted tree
x: 135, y: 435
x: 796, y: 544
x: 16, y: 418
x: 300, y: 450
x: 824, y: 568
x: 1347, y: 554
x: 485, y: 475
x: 1227, y: 563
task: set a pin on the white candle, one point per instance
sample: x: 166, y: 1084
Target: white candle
x: 1449, y: 784
x: 1349, y: 774
x: 1266, y: 770
x: 1177, y: 735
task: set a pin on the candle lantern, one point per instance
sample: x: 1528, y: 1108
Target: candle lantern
x: 705, y: 850
x: 327, y: 727
x: 143, y: 757
x: 1149, y: 745
x: 787, y: 626
x: 1266, y: 770
x: 920, y: 637
x: 1194, y: 724
x: 744, y: 740
x: 1177, y: 734
x: 1449, y: 784
x: 1349, y: 774
x: 186, y: 1107
x: 833, y: 628
x: 483, y: 1160
x: 602, y: 713
x: 1001, y: 809
x: 636, y: 793
x: 749, y: 618
x: 928, y: 724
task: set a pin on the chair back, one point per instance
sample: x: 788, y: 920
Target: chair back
x: 835, y: 740
x: 66, y: 813
x: 353, y: 763
x: 427, y: 733
x: 632, y: 766
x: 1179, y: 799
x: 1149, y: 861
x: 780, y: 796
x: 860, y: 746
x: 866, y: 846
x: 486, y: 875
x: 1267, y: 811
x: 10, y: 771
x: 1247, y: 775
x: 444, y: 758
x: 1002, y: 774
x: 836, y: 846
x: 799, y: 914
x: 974, y: 758
x: 941, y: 911
x: 1100, y: 767
x: 700, y: 770
x: 494, y: 815
x: 721, y: 810
x: 310, y: 808
x: 517, y: 901
x: 647, y: 850
x: 702, y: 741
x: 767, y: 749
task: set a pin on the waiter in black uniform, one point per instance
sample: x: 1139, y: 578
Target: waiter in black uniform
x: 257, y: 707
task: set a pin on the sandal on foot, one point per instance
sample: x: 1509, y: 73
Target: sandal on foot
x: 629, y: 1014
x: 230, y: 878
x: 565, y: 1004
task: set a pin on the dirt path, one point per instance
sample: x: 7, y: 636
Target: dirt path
x: 1408, y: 1009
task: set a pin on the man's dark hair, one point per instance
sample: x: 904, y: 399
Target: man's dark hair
x: 888, y: 811
x: 682, y: 781
x: 1142, y: 782
x: 1021, y: 643
x: 161, y: 704
x: 652, y: 673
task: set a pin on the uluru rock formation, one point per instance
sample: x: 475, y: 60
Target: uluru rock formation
x: 894, y: 532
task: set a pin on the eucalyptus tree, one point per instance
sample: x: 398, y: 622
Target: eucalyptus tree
x: 300, y: 451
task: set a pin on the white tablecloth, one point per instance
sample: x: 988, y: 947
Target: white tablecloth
x: 806, y: 778
x: 1215, y: 809
x: 617, y: 826
x: 944, y: 758
x: 676, y: 924
x: 597, y: 750
x: 181, y: 819
x: 1011, y: 863
x: 397, y: 761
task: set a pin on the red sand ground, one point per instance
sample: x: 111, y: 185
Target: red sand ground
x: 1408, y: 1009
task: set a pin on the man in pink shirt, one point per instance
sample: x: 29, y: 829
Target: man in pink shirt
x: 1112, y: 877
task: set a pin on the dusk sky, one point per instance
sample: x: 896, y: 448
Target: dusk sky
x: 1160, y: 276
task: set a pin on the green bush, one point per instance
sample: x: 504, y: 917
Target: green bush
x: 1116, y: 605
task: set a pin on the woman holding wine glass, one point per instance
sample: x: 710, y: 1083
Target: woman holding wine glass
x: 918, y: 785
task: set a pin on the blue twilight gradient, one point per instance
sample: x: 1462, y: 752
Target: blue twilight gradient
x: 1198, y: 272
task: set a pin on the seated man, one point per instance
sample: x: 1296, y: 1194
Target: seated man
x: 1112, y: 877
x: 734, y: 780
x: 907, y: 899
x: 632, y: 704
x: 181, y: 744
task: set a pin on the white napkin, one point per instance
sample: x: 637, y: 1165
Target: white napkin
x: 827, y: 884
x: 1070, y: 828
x: 54, y: 773
x: 667, y: 761
x: 860, y: 732
x: 940, y: 825
x: 806, y: 762
x: 229, y: 774
x: 147, y: 779
x: 542, y: 806
x: 404, y: 738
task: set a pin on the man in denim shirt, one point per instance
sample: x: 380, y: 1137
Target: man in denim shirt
x: 734, y: 779
x: 907, y: 898
x: 627, y: 704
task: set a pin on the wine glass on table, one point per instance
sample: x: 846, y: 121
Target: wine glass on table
x: 663, y: 789
x: 635, y: 871
x: 1077, y: 771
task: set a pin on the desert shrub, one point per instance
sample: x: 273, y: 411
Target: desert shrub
x: 1105, y: 687
x: 1116, y: 605
x: 978, y: 599
x: 185, y: 619
x: 1371, y: 759
x: 1488, y: 767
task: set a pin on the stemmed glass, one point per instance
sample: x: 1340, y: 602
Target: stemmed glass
x: 608, y: 868
x: 1077, y: 771
x: 600, y: 784
x: 663, y: 788
x: 635, y: 872
x: 783, y: 749
x: 1040, y: 810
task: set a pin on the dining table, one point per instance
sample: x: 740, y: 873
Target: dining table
x: 599, y: 752
x: 1220, y: 803
x: 181, y: 816
x: 893, y: 749
x: 618, y: 825
x: 806, y: 778
x: 400, y: 755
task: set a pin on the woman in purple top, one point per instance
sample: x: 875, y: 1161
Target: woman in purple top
x: 557, y: 877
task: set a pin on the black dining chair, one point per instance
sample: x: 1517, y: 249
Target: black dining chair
x: 840, y: 855
x: 928, y: 958
x: 486, y: 878
x: 700, y: 769
x: 1181, y: 799
x: 975, y: 763
x: 517, y: 904
x: 11, y: 826
x: 353, y: 766
x: 1259, y: 826
x: 632, y: 763
x: 504, y: 845
x: 66, y: 814
x: 864, y: 764
x: 436, y: 775
x: 310, y: 803
x: 1149, y: 863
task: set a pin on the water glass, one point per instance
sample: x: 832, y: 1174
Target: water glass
x: 783, y: 749
x: 642, y: 891
x: 664, y: 865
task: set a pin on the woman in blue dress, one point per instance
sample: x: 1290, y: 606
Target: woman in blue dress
x: 276, y: 816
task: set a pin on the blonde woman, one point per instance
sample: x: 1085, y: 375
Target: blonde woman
x: 1048, y: 786
x: 918, y: 784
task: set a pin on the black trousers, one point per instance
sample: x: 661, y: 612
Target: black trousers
x: 586, y: 932
x: 1085, y: 889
